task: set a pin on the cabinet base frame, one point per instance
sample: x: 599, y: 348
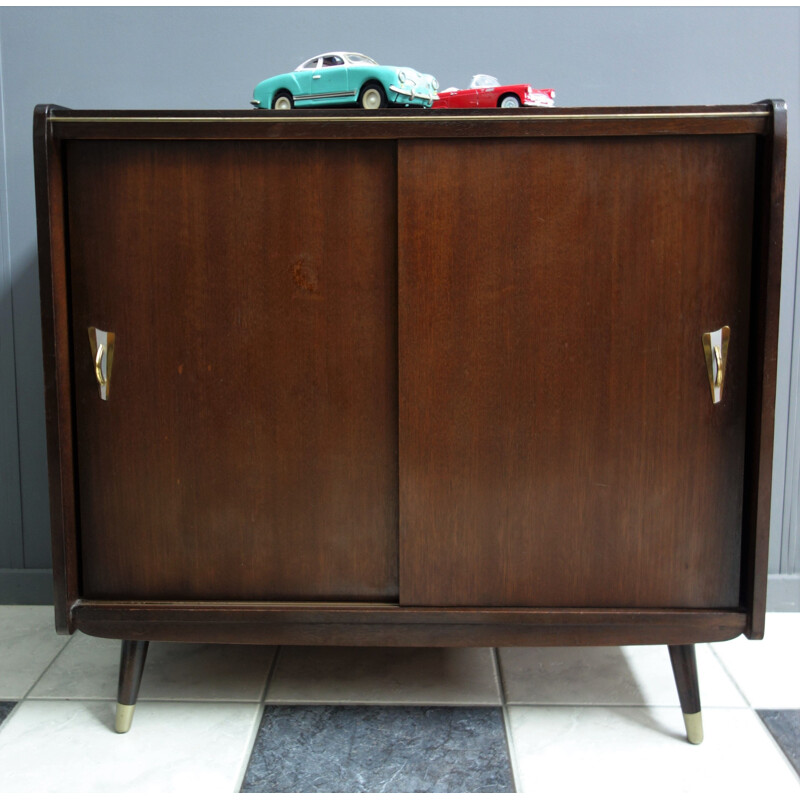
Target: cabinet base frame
x: 388, y: 625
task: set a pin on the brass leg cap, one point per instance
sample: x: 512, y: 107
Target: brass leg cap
x: 694, y: 727
x: 124, y: 718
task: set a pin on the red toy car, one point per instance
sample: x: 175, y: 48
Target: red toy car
x: 486, y: 92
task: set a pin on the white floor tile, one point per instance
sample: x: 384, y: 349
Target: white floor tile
x: 89, y: 668
x: 28, y: 643
x: 608, y: 676
x: 642, y: 752
x: 63, y: 746
x: 767, y: 671
x: 411, y: 676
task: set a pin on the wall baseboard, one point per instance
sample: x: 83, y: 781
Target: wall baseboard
x: 26, y: 587
x: 35, y: 587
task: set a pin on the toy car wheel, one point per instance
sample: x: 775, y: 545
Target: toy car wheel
x: 372, y: 96
x: 283, y: 101
x: 509, y: 101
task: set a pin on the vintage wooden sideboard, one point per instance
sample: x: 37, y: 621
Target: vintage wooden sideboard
x: 434, y: 378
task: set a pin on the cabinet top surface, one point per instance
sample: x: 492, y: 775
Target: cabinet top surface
x: 62, y: 113
x: 404, y: 123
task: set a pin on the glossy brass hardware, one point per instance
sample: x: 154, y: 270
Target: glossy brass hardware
x: 715, y: 346
x: 98, y: 365
x: 102, y: 343
x: 720, y: 368
x: 694, y: 727
x: 122, y: 723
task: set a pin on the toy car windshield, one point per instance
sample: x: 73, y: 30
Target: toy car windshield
x: 483, y: 82
x: 357, y: 58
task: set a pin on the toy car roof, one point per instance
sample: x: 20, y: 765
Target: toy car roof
x: 346, y: 54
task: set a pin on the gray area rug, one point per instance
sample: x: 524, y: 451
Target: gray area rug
x: 785, y: 727
x: 379, y: 749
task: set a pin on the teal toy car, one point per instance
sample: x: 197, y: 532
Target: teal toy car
x: 340, y: 78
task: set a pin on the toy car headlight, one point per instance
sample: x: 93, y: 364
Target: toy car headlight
x: 435, y: 85
x: 401, y: 76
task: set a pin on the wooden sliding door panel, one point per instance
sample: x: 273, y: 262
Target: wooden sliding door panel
x: 558, y: 441
x: 248, y: 449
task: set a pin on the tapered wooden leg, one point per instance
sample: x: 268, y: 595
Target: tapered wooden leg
x: 131, y: 667
x: 684, y: 666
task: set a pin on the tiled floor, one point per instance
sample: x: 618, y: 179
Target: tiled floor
x: 554, y: 721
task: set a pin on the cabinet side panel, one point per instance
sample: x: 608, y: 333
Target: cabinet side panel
x: 248, y: 448
x: 558, y: 440
x: 53, y: 288
x: 766, y: 310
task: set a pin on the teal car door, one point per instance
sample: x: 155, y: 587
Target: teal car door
x: 329, y: 82
x: 304, y: 83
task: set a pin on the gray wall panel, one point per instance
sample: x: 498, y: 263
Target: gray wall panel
x: 212, y: 57
x: 11, y: 550
x: 790, y: 535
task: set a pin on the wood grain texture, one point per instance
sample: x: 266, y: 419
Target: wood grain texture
x: 558, y: 443
x: 248, y: 449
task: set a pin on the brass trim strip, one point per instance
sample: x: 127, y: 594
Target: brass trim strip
x: 457, y: 118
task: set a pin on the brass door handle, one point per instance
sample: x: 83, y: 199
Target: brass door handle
x: 102, y: 343
x: 715, y: 345
x: 720, y: 369
x: 98, y: 366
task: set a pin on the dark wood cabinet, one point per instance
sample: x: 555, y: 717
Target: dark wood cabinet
x: 411, y: 378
